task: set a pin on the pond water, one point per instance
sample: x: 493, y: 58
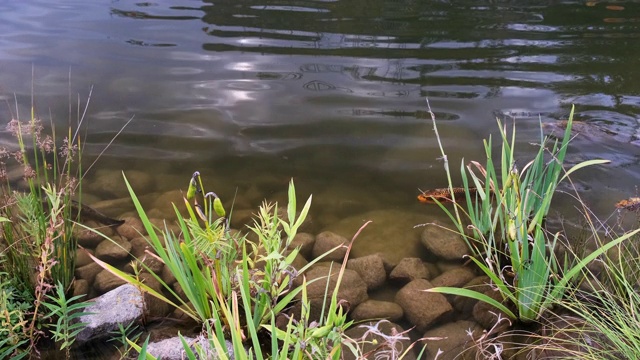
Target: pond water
x: 331, y: 93
x: 328, y: 92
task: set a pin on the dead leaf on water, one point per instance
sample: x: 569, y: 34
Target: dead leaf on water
x: 614, y: 7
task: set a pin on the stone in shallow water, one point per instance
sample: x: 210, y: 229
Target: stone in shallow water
x: 112, y: 183
x: 131, y: 229
x: 88, y: 272
x: 422, y: 308
x: 455, y: 340
x: 113, y: 249
x: 327, y: 240
x: 409, y: 269
x: 376, y: 334
x: 122, y: 305
x: 375, y: 309
x: 444, y: 243
x: 172, y: 348
x: 82, y: 258
x: 305, y: 242
x: 371, y: 270
x: 391, y: 233
x: 106, y: 281
x: 455, y: 277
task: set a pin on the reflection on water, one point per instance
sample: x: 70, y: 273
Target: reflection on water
x: 329, y: 92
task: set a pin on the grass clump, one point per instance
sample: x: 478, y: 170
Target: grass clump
x: 503, y: 221
x: 38, y: 213
x: 600, y: 319
x: 233, y: 286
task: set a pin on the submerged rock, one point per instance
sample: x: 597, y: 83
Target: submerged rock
x: 113, y: 249
x: 371, y: 270
x: 131, y: 229
x: 122, y: 305
x: 390, y: 233
x: 454, y: 278
x: 172, y: 348
x: 455, y: 340
x: 105, y: 281
x: 444, y: 243
x: 305, y: 242
x: 382, y: 340
x: 327, y: 240
x: 375, y: 309
x: 422, y: 308
x: 352, y: 291
x: 409, y: 269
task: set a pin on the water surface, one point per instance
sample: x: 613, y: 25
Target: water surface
x: 330, y: 93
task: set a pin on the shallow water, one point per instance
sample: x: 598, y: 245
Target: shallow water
x: 330, y: 93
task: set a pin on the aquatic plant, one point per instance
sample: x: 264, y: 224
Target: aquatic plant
x: 224, y: 275
x: 506, y: 209
x: 38, y: 246
x: 599, y: 319
x: 38, y: 214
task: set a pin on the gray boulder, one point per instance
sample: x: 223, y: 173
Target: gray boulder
x: 122, y: 305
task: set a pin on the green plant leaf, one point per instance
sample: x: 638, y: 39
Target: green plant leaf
x: 473, y: 295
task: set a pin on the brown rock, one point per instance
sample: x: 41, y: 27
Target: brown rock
x: 465, y: 304
x: 327, y: 240
x: 422, y: 308
x: 487, y: 315
x: 132, y: 228
x: 86, y: 237
x: 371, y: 270
x: 387, y: 229
x: 113, y: 249
x: 353, y: 290
x: 454, y: 277
x: 112, y: 182
x: 106, y: 281
x: 81, y: 287
x: 376, y: 344
x: 154, y: 307
x: 305, y: 242
x: 167, y: 275
x: 374, y: 309
x: 145, y: 264
x: 453, y: 340
x: 138, y: 247
x: 443, y: 243
x: 299, y: 262
x: 82, y: 257
x: 88, y: 272
x: 409, y: 269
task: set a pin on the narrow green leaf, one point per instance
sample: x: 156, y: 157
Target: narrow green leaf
x: 473, y: 295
